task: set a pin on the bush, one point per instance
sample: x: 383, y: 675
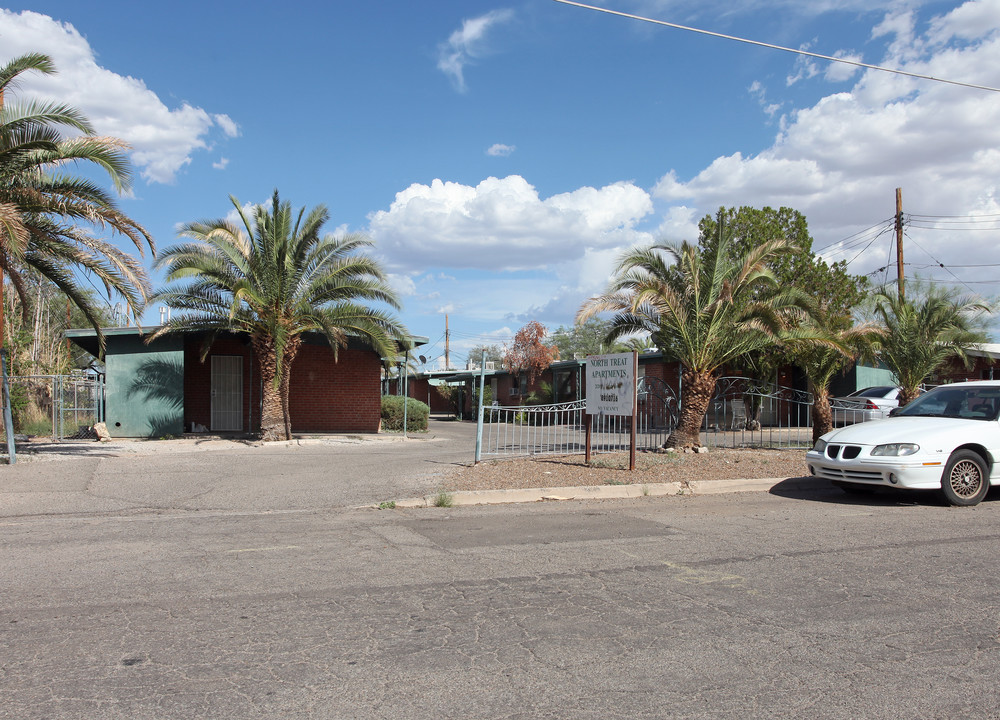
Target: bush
x: 392, y: 414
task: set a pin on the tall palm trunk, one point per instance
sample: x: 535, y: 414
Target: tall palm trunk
x: 271, y: 415
x: 698, y: 390
x: 822, y: 415
x: 291, y: 350
x: 907, y: 393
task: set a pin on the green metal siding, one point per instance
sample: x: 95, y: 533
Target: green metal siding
x: 873, y: 377
x: 145, y: 387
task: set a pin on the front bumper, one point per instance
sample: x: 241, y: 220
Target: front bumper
x: 917, y: 472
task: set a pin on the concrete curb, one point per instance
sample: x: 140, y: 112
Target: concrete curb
x: 593, y: 492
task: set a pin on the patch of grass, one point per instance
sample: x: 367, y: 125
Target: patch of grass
x: 37, y: 427
x: 387, y: 505
x: 613, y: 482
x: 444, y: 499
x: 645, y: 489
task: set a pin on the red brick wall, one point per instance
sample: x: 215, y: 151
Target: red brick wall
x: 325, y: 396
x: 955, y: 371
x: 328, y: 396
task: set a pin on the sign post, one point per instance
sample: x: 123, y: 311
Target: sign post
x: 611, y: 390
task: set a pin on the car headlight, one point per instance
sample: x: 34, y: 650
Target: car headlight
x: 895, y: 449
x: 820, y: 447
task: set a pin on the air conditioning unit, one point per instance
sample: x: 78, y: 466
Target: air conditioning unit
x: 471, y: 365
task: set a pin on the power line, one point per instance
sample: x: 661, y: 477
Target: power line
x: 948, y: 270
x: 855, y: 239
x: 882, y: 232
x: 937, y: 225
x: 963, y: 282
x: 960, y: 217
x: 771, y: 46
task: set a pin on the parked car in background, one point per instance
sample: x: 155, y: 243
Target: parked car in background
x: 947, y: 439
x: 871, y: 403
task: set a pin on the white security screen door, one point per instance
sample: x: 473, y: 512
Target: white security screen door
x: 227, y: 392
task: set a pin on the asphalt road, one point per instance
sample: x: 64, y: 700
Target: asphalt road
x: 752, y: 605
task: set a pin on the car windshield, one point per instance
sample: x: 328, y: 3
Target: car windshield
x: 971, y: 403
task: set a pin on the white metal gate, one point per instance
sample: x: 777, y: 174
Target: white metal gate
x: 227, y: 393
x: 560, y: 429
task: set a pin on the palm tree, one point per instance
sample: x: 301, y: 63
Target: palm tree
x: 274, y: 277
x: 921, y: 334
x: 847, y: 342
x: 42, y: 209
x: 708, y: 307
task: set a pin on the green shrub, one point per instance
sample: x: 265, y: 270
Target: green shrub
x: 392, y: 414
x: 21, y: 407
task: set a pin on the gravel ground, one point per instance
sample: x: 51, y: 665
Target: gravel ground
x: 612, y: 469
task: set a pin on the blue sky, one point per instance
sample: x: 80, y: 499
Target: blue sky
x: 501, y: 155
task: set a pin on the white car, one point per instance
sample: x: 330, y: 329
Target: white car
x: 946, y: 439
x: 871, y: 403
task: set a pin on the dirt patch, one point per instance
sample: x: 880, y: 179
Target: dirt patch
x: 612, y: 469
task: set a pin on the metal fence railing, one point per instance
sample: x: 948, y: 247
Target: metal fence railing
x: 560, y: 429
x: 743, y: 413
x: 527, y: 430
x: 57, y: 406
x: 752, y: 413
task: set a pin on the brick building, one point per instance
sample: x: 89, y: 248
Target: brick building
x: 164, y: 388
x: 985, y: 365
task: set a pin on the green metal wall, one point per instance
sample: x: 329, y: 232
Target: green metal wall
x: 145, y: 387
x: 873, y: 377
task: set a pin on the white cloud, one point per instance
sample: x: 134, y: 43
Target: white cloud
x: 840, y: 160
x: 503, y: 224
x: 759, y: 93
x: 969, y: 21
x: 840, y: 71
x: 163, y: 140
x: 230, y: 128
x: 402, y: 284
x: 221, y: 164
x: 466, y: 44
x: 500, y: 150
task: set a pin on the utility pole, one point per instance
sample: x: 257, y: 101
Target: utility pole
x: 447, y: 336
x: 899, y: 241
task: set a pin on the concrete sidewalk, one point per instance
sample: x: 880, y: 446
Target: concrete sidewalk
x: 601, y: 492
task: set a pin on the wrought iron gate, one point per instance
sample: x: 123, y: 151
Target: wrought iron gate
x: 753, y: 413
x: 559, y: 429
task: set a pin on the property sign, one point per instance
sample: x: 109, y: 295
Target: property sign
x: 610, y: 384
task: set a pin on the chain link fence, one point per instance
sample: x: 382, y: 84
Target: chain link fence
x: 56, y: 406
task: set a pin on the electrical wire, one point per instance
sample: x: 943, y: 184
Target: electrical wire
x: 880, y: 234
x: 959, y: 217
x: 852, y: 239
x: 771, y: 46
x: 941, y: 264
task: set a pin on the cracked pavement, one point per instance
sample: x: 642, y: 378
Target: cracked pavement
x: 158, y: 590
